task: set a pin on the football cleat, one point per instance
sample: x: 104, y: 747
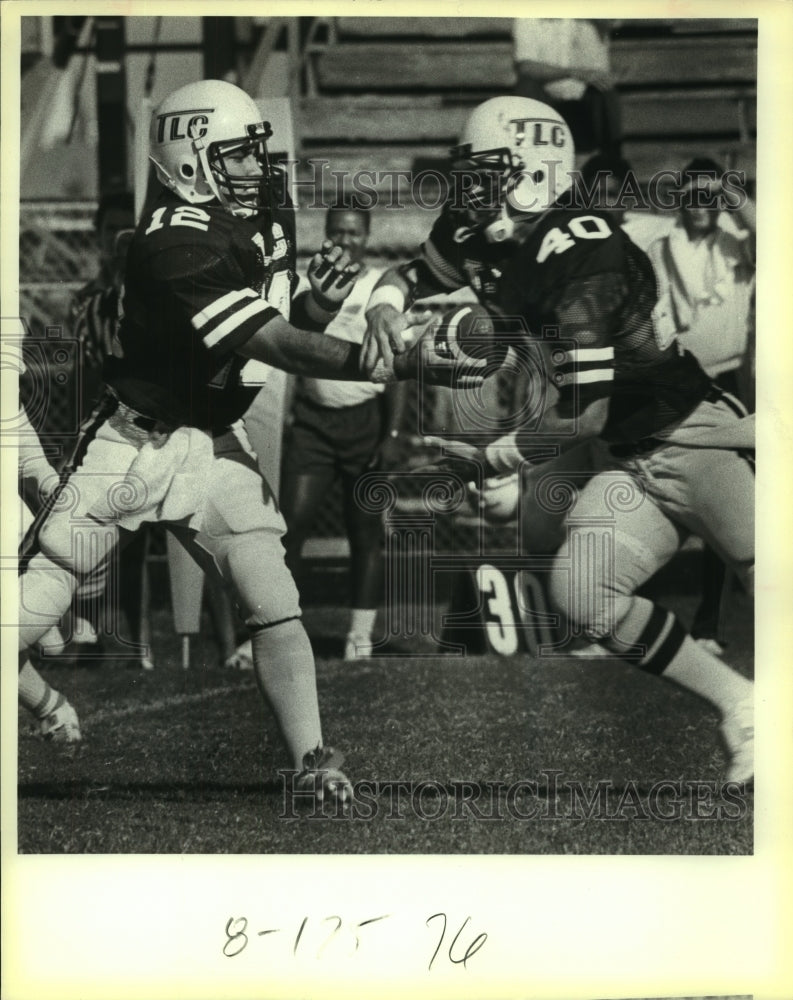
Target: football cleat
x: 62, y: 725
x: 241, y: 658
x: 323, y: 776
x: 737, y: 730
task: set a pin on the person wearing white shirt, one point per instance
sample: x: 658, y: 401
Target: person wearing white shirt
x: 341, y: 430
x: 565, y: 62
x: 705, y: 269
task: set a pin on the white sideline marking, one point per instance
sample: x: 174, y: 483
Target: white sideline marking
x: 144, y: 707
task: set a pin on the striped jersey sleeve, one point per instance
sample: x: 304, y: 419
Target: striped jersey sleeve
x: 211, y: 294
x: 586, y: 312
x: 95, y: 318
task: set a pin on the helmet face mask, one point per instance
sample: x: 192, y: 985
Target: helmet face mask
x: 208, y: 143
x: 513, y: 162
x: 483, y: 179
x: 241, y: 191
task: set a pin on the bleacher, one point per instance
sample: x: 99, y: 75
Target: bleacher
x: 392, y: 93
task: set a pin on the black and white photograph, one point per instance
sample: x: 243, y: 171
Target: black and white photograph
x: 382, y: 387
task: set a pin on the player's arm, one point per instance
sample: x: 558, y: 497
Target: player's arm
x: 305, y: 352
x: 580, y: 380
x: 433, y: 272
x: 581, y: 377
x: 232, y: 318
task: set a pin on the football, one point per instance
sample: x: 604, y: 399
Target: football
x: 467, y: 332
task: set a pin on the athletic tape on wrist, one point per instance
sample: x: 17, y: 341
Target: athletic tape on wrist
x: 388, y: 295
x: 316, y: 312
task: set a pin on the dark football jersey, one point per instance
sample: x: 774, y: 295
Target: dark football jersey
x: 198, y: 283
x: 588, y: 293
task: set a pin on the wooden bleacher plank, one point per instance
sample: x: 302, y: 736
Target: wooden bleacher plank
x: 647, y: 158
x: 691, y: 25
x: 692, y: 113
x: 457, y: 27
x: 351, y: 159
x: 426, y: 27
x: 389, y: 118
x: 390, y: 66
x: 381, y: 118
x: 684, y: 60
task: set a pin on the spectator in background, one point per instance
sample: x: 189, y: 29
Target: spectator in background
x: 603, y: 176
x: 705, y: 269
x: 340, y: 430
x: 565, y: 62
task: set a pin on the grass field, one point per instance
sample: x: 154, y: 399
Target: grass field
x: 177, y: 761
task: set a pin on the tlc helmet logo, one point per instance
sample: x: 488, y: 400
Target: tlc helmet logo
x: 540, y: 132
x: 180, y: 124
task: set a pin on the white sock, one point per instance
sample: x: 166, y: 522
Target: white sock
x: 35, y: 694
x: 662, y: 647
x: 283, y: 662
x: 703, y: 673
x: 362, y: 622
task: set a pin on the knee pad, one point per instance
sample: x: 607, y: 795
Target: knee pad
x: 252, y: 564
x: 45, y: 594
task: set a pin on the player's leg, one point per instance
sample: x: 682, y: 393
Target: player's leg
x: 719, y: 506
x: 358, y: 440
x: 302, y: 497
x: 617, y: 539
x: 309, y: 468
x: 240, y: 538
x: 365, y: 532
x: 78, y: 532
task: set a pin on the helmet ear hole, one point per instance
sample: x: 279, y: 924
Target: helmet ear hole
x: 186, y: 170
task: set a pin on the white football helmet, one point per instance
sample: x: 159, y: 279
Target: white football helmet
x: 200, y: 134
x: 514, y: 159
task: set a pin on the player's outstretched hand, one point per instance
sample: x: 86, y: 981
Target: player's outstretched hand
x: 331, y: 276
x: 385, y: 326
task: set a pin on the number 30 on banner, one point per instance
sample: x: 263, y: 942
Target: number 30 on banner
x: 514, y: 606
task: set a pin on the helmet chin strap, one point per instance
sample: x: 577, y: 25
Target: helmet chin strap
x: 528, y: 191
x: 501, y: 229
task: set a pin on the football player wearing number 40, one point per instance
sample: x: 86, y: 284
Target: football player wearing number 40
x: 676, y: 445
x: 208, y: 285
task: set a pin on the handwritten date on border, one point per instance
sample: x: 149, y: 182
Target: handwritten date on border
x: 238, y: 935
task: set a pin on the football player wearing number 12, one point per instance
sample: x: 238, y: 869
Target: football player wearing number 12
x: 677, y: 462
x: 207, y: 288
